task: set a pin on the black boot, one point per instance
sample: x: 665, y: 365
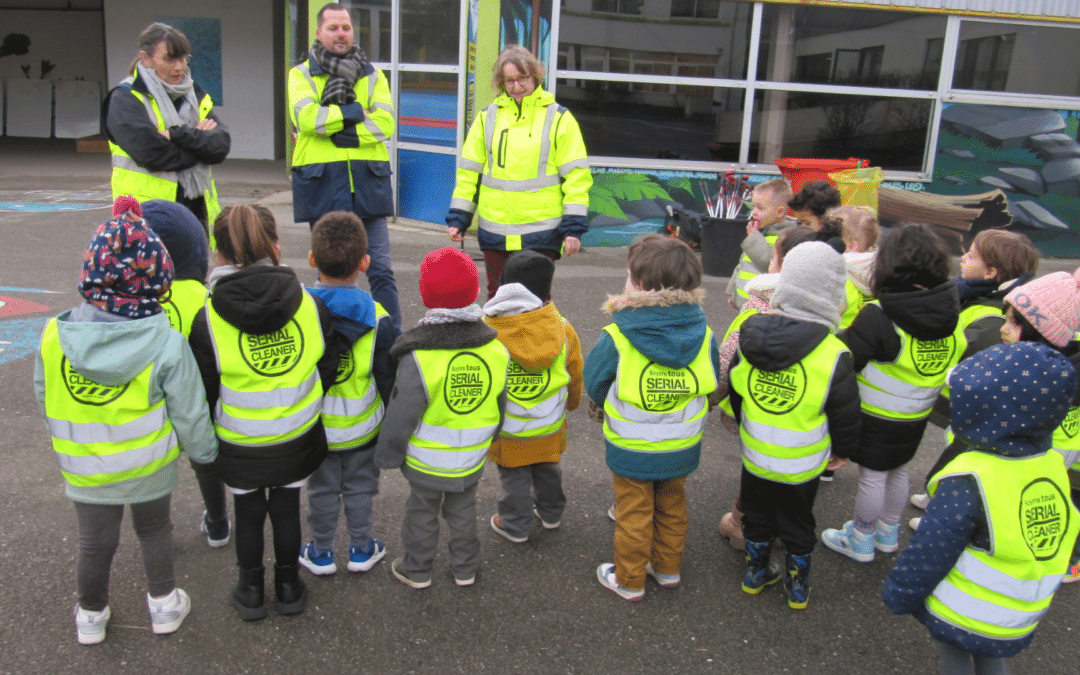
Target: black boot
x: 290, y: 588
x: 247, y: 597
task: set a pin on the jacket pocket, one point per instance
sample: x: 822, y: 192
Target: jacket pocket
x: 374, y: 188
x: 315, y: 191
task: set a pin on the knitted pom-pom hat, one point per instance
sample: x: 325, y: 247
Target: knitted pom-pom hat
x: 126, y: 268
x: 448, y: 279
x: 1011, y: 397
x: 1051, y: 304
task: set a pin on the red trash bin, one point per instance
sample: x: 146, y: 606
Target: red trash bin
x: 798, y: 170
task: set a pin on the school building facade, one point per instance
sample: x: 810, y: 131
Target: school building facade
x: 970, y: 107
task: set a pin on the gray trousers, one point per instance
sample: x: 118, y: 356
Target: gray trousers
x: 523, y: 487
x: 956, y: 661
x: 348, y: 479
x: 99, y: 537
x: 420, y: 531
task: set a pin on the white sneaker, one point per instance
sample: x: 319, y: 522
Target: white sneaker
x: 90, y: 626
x: 611, y: 513
x: 605, y: 574
x: 166, y: 614
x: 920, y: 501
x: 914, y: 523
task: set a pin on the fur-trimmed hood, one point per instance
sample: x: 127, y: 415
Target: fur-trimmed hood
x: 666, y: 326
x: 456, y: 335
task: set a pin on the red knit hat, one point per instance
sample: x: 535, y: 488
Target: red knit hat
x: 448, y: 279
x: 1051, y: 304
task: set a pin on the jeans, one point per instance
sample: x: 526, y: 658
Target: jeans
x: 380, y: 274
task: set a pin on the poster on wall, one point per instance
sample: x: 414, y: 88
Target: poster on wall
x: 205, y: 63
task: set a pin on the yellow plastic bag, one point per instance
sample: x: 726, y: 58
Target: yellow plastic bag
x: 858, y: 187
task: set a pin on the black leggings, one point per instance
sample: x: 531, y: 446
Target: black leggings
x: 283, y: 505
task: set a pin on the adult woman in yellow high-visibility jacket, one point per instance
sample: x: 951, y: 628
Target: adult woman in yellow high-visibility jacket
x: 162, y: 131
x: 523, y: 171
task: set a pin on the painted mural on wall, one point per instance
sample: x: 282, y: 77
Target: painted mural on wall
x: 526, y: 23
x: 996, y: 167
x: 205, y: 63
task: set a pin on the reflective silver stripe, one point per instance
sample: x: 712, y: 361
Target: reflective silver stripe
x: 463, y: 204
x: 985, y: 612
x: 489, y: 135
x: 785, y: 438
x: 545, y: 140
x: 582, y: 163
x: 523, y: 185
x: 1027, y: 590
x: 98, y: 432
x: 457, y: 438
x: 383, y: 106
x: 519, y: 418
x: 374, y: 129
x: 128, y: 164
x: 349, y: 407
x: 886, y: 401
x: 449, y: 459
x: 1070, y: 456
x: 306, y: 72
x: 524, y: 228
x: 875, y: 376
x: 575, y: 210
x: 634, y: 414
x: 320, y: 120
x: 655, y: 433
x: 284, y: 397
x: 788, y: 466
x: 336, y: 435
x: 280, y: 426
x: 148, y: 103
x: 128, y: 460
x: 371, y: 87
x: 470, y: 165
x: 300, y: 106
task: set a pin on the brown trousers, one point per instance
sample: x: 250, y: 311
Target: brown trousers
x: 650, y: 526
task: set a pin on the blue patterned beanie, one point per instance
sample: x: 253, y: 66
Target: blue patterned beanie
x: 1011, y: 397
x: 126, y: 268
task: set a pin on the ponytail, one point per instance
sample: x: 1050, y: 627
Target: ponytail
x: 245, y: 234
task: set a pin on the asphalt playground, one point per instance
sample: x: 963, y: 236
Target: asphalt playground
x: 536, y: 607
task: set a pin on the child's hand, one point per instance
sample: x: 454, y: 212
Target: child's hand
x: 835, y: 463
x: 752, y: 227
x: 596, y: 413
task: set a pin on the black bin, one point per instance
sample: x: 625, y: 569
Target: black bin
x: 721, y: 240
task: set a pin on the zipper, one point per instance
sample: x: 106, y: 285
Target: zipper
x: 502, y: 148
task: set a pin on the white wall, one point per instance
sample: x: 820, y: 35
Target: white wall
x: 247, y: 61
x: 71, y: 40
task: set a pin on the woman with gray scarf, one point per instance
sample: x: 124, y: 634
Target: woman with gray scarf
x: 162, y: 130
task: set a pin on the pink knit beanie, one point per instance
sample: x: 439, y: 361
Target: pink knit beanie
x: 1051, y: 304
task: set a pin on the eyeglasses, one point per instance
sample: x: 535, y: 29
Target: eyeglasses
x: 524, y: 81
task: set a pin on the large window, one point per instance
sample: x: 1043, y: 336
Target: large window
x: 1018, y: 58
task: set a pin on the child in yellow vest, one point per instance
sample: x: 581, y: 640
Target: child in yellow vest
x: 768, y: 218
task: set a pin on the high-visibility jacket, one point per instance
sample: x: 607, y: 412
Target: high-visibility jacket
x: 747, y: 270
x: 103, y: 434
x: 536, y: 402
x: 1004, y: 592
x: 184, y: 301
x: 968, y: 316
x: 652, y: 408
x: 783, y: 430
x: 463, y: 387
x: 1067, y: 439
x: 856, y: 300
x: 522, y: 171
x: 270, y: 390
x: 128, y: 178
x: 352, y: 409
x: 906, y: 388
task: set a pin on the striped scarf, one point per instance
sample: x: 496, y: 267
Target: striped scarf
x: 343, y: 70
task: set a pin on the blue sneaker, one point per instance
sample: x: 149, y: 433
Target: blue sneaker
x: 317, y: 562
x: 363, y: 560
x: 887, y: 537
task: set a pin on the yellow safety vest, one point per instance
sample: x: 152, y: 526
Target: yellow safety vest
x: 968, y: 316
x: 352, y: 410
x: 856, y: 300
x: 784, y: 432
x: 463, y: 387
x: 906, y: 388
x: 103, y: 434
x: 184, y: 301
x: 270, y: 386
x: 1004, y: 592
x: 654, y: 408
x: 747, y: 270
x: 536, y: 402
x: 128, y: 178
x: 1067, y: 440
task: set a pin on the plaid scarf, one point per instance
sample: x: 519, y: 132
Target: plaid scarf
x: 343, y: 72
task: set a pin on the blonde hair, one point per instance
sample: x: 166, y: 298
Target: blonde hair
x: 776, y: 190
x: 523, y: 60
x: 859, y: 224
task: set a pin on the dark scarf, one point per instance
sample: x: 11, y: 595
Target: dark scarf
x: 343, y: 72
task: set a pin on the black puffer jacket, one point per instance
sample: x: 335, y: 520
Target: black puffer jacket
x: 772, y: 342
x: 259, y: 300
x: 932, y: 314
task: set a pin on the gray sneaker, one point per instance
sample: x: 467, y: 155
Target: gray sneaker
x: 90, y: 626
x: 166, y: 614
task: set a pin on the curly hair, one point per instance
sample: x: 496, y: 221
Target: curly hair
x: 817, y: 197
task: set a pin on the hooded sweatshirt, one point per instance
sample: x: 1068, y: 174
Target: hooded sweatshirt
x: 667, y: 327
x: 257, y: 300
x: 111, y: 350
x: 535, y: 334
x: 930, y: 314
